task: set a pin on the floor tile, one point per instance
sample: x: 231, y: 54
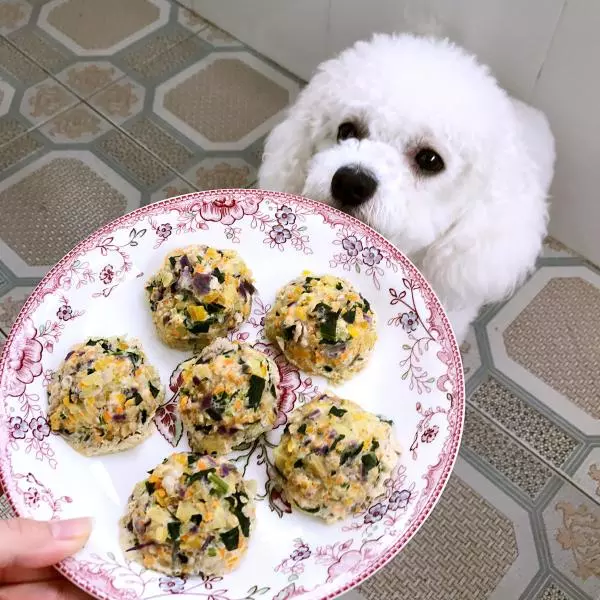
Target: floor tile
x: 547, y: 340
x: 478, y: 543
x: 526, y: 423
x: 65, y: 38
x: 573, y: 535
x: 495, y: 450
x: 44, y: 208
x: 207, y: 106
x: 10, y: 305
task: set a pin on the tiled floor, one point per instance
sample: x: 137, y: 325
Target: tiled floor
x: 107, y: 105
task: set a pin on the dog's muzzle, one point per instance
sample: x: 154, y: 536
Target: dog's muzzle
x: 353, y: 185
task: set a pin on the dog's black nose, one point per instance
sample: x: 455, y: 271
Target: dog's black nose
x: 353, y: 185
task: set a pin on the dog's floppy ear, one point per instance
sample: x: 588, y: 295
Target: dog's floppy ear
x: 289, y: 148
x: 494, y: 243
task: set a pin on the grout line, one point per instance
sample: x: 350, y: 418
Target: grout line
x: 525, y: 445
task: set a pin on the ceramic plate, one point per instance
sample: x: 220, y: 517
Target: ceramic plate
x: 414, y: 378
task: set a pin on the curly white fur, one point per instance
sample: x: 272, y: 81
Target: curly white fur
x: 475, y: 230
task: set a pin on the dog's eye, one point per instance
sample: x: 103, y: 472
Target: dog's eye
x: 429, y: 161
x: 346, y: 131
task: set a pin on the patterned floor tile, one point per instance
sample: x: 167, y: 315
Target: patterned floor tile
x: 558, y: 309
x: 10, y: 305
x: 204, y: 95
x: 469, y: 351
x: 483, y: 544
x: 553, y: 591
x: 64, y: 38
x: 496, y: 449
x: 573, y: 528
x: 588, y: 473
x: 553, y: 443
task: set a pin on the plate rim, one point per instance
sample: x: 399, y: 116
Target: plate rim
x: 321, y: 209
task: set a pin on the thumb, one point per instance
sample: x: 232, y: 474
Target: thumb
x: 33, y: 544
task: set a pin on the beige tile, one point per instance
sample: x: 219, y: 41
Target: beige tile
x: 526, y: 362
x: 18, y: 149
x: 493, y: 446
x: 474, y: 547
x: 573, y: 525
x: 525, y: 422
x: 47, y: 210
x: 132, y: 158
x: 97, y: 26
x: 10, y: 305
x: 153, y: 137
x: 15, y: 64
x: 162, y: 53
x: 208, y: 100
x: 225, y: 101
x: 14, y: 14
x: 563, y: 319
x: 36, y: 46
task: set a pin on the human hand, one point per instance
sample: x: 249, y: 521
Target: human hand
x: 28, y: 549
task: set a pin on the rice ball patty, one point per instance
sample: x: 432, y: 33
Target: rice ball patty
x: 323, y: 326
x: 334, y: 457
x: 228, y: 395
x: 104, y: 395
x: 199, y: 294
x: 192, y: 515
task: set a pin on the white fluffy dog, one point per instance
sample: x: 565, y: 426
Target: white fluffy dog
x: 415, y: 138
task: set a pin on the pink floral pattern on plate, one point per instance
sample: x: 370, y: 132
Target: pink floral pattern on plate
x: 97, y: 289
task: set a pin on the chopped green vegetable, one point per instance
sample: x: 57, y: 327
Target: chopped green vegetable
x: 214, y: 414
x: 288, y: 332
x: 173, y: 260
x: 349, y: 316
x: 137, y: 397
x: 388, y: 421
x: 337, y: 412
x: 302, y: 429
x: 196, y: 519
x: 350, y: 453
x: 255, y: 391
x: 236, y: 504
x: 327, y: 368
x: 369, y: 461
x: 220, y: 276
x: 199, y: 475
x: 374, y: 445
x: 198, y: 326
x: 144, y: 415
x: 90, y: 371
x: 366, y: 305
x: 339, y: 286
x: 337, y: 440
x: 212, y: 552
x: 174, y: 528
x: 150, y: 487
x: 328, y: 327
x: 231, y: 538
x: 213, y: 307
x: 153, y: 390
x: 192, y: 458
x: 220, y: 486
x: 299, y: 464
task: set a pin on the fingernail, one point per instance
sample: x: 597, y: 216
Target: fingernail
x: 71, y: 529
